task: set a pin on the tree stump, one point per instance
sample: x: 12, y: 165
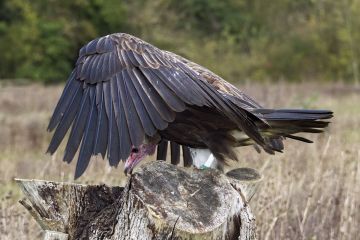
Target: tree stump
x: 160, y: 201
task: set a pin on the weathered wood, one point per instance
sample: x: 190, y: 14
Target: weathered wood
x: 160, y: 201
x: 246, y: 181
x: 66, y: 207
x: 51, y: 235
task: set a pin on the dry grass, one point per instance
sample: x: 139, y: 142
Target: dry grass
x: 309, y: 192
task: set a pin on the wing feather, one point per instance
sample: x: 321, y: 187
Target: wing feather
x: 89, y: 67
x: 141, y: 60
x: 134, y: 125
x: 154, y: 114
x: 114, y: 141
x: 131, y: 57
x: 175, y: 85
x: 104, y: 45
x: 87, y: 144
x: 101, y: 137
x: 162, y: 108
x: 143, y: 115
x: 93, y: 69
x: 124, y: 134
x: 66, y: 121
x: 71, y: 86
x: 125, y: 58
x: 78, y: 127
x: 85, y: 67
x: 90, y: 48
x: 167, y: 95
x: 148, y: 56
x: 119, y: 120
x: 97, y: 76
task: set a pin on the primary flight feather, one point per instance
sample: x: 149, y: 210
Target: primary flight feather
x: 125, y: 97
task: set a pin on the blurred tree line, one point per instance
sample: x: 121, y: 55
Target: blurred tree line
x: 239, y: 39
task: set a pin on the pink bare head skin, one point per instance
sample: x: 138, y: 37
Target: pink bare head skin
x: 137, y: 154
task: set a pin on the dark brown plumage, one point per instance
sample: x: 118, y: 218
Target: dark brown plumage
x: 124, y: 92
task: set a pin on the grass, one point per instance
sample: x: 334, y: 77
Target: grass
x: 311, y: 191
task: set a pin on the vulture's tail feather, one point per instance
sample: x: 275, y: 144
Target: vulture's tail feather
x: 293, y: 114
x: 295, y: 120
x: 288, y: 122
x: 188, y: 161
x: 162, y: 150
x: 175, y: 153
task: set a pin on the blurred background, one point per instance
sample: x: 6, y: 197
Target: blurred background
x: 284, y: 53
x: 239, y: 39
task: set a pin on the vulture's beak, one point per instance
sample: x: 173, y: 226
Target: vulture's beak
x: 127, y: 169
x: 131, y: 162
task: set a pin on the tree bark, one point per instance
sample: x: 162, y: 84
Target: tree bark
x: 160, y: 201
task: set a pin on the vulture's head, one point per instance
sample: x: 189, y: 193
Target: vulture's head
x: 137, y: 154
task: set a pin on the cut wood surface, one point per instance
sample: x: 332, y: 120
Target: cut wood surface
x: 160, y: 201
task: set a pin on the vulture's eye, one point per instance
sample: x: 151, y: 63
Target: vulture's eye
x: 135, y: 150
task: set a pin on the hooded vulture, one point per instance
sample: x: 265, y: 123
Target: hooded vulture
x: 125, y: 97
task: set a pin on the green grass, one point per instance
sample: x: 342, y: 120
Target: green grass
x: 311, y: 191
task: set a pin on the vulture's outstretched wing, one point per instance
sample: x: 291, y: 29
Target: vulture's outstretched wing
x: 122, y: 89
